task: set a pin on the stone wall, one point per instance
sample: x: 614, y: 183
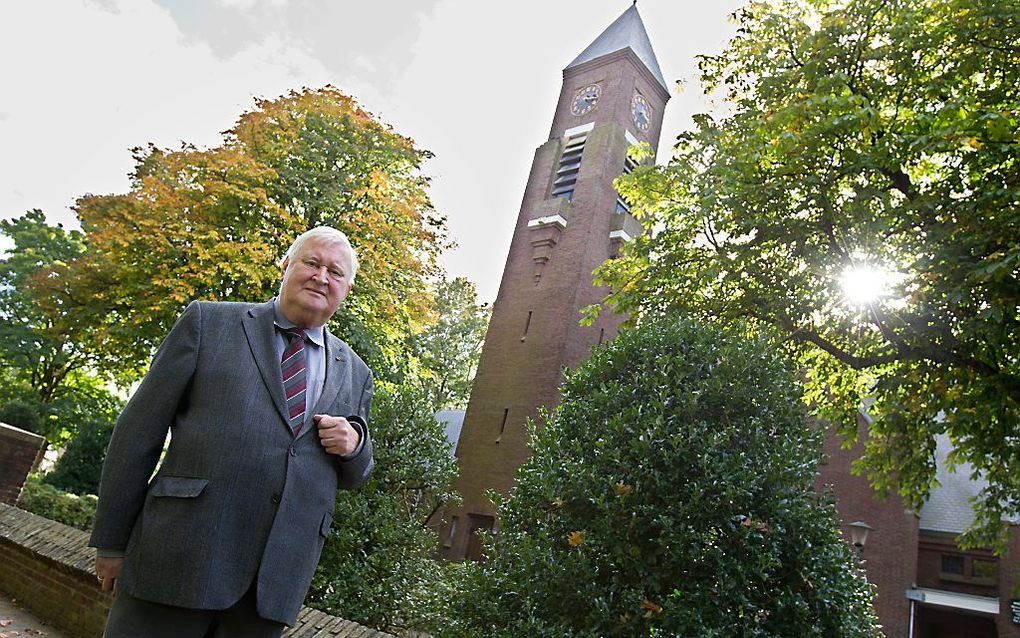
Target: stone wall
x: 48, y: 568
x: 19, y: 451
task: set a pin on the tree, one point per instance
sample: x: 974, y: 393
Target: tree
x: 47, y: 384
x: 214, y: 223
x: 447, y: 351
x: 38, y: 348
x: 670, y: 494
x: 80, y: 466
x: 377, y: 567
x: 861, y: 136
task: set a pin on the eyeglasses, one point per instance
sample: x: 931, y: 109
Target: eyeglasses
x: 336, y: 276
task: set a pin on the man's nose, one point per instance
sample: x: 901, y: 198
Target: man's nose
x: 322, y: 274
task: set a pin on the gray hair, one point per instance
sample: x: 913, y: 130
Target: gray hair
x: 329, y: 236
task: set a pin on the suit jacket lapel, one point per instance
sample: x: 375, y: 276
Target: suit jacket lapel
x: 337, y: 366
x: 258, y: 327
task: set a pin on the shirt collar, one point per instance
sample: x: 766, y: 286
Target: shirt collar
x: 315, y: 335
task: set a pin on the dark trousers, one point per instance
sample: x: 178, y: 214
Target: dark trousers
x: 131, y: 617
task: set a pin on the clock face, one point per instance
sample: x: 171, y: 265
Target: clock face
x: 586, y: 99
x: 641, y: 112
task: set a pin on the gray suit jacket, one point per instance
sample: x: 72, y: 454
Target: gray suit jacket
x: 237, y: 497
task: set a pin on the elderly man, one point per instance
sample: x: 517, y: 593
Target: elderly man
x: 268, y: 417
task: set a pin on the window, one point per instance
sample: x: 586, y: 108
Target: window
x: 621, y: 204
x: 952, y: 566
x: 984, y: 572
x: 502, y: 426
x: 570, y: 166
x: 452, y: 533
x: 477, y: 522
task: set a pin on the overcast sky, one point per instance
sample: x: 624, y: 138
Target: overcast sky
x: 474, y: 81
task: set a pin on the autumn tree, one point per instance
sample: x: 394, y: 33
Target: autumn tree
x: 860, y: 196
x: 670, y: 494
x: 446, y: 352
x: 214, y: 223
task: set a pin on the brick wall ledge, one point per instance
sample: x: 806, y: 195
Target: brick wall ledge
x: 49, y: 568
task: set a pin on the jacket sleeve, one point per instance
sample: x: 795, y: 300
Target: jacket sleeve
x: 141, y: 430
x: 356, y: 468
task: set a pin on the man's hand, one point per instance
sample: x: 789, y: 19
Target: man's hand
x: 336, y: 434
x: 108, y: 571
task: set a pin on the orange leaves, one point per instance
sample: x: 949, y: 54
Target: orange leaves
x: 651, y: 609
x: 622, y: 489
x: 758, y: 526
x: 575, y: 538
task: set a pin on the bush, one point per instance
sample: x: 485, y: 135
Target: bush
x: 69, y: 509
x: 377, y: 567
x: 670, y: 494
x: 21, y: 414
x: 80, y: 466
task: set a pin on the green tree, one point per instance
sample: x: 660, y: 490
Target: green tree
x: 80, y: 466
x: 214, y: 223
x: 670, y: 494
x: 860, y: 136
x: 377, y: 566
x: 37, y: 348
x: 47, y: 383
x: 447, y: 351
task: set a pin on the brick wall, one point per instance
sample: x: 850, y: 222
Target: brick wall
x: 48, y: 568
x: 890, y: 554
x: 19, y: 451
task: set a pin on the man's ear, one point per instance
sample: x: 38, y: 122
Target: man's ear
x: 283, y: 266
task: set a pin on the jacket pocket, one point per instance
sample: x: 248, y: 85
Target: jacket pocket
x: 327, y: 521
x: 178, y: 486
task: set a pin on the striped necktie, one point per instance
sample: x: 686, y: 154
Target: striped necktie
x: 294, y: 377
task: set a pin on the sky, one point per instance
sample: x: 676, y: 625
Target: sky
x: 474, y: 81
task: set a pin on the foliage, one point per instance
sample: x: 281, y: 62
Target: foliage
x: 670, y: 494
x: 21, y: 413
x: 447, y: 351
x: 81, y: 397
x: 860, y: 134
x: 214, y: 223
x: 48, y: 501
x: 377, y: 566
x: 38, y: 348
x: 78, y: 469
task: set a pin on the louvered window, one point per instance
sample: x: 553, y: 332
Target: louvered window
x: 570, y: 164
x: 621, y: 204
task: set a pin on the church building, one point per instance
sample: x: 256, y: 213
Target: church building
x: 572, y: 220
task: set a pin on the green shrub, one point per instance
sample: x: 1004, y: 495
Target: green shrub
x: 22, y: 414
x: 69, y: 509
x: 80, y: 466
x: 670, y: 494
x: 377, y: 567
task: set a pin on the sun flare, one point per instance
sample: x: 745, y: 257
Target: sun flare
x: 865, y: 284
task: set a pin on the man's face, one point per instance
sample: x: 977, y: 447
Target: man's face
x: 315, y: 280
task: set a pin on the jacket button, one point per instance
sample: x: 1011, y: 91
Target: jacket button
x: 293, y: 451
x: 276, y: 499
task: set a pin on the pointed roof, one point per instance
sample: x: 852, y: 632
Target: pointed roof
x: 628, y: 31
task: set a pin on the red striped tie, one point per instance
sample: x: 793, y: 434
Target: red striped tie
x: 294, y: 377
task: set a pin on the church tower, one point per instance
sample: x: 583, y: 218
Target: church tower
x: 571, y: 221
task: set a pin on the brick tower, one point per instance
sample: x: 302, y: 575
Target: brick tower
x: 571, y: 221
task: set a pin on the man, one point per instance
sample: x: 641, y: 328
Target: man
x: 268, y: 418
